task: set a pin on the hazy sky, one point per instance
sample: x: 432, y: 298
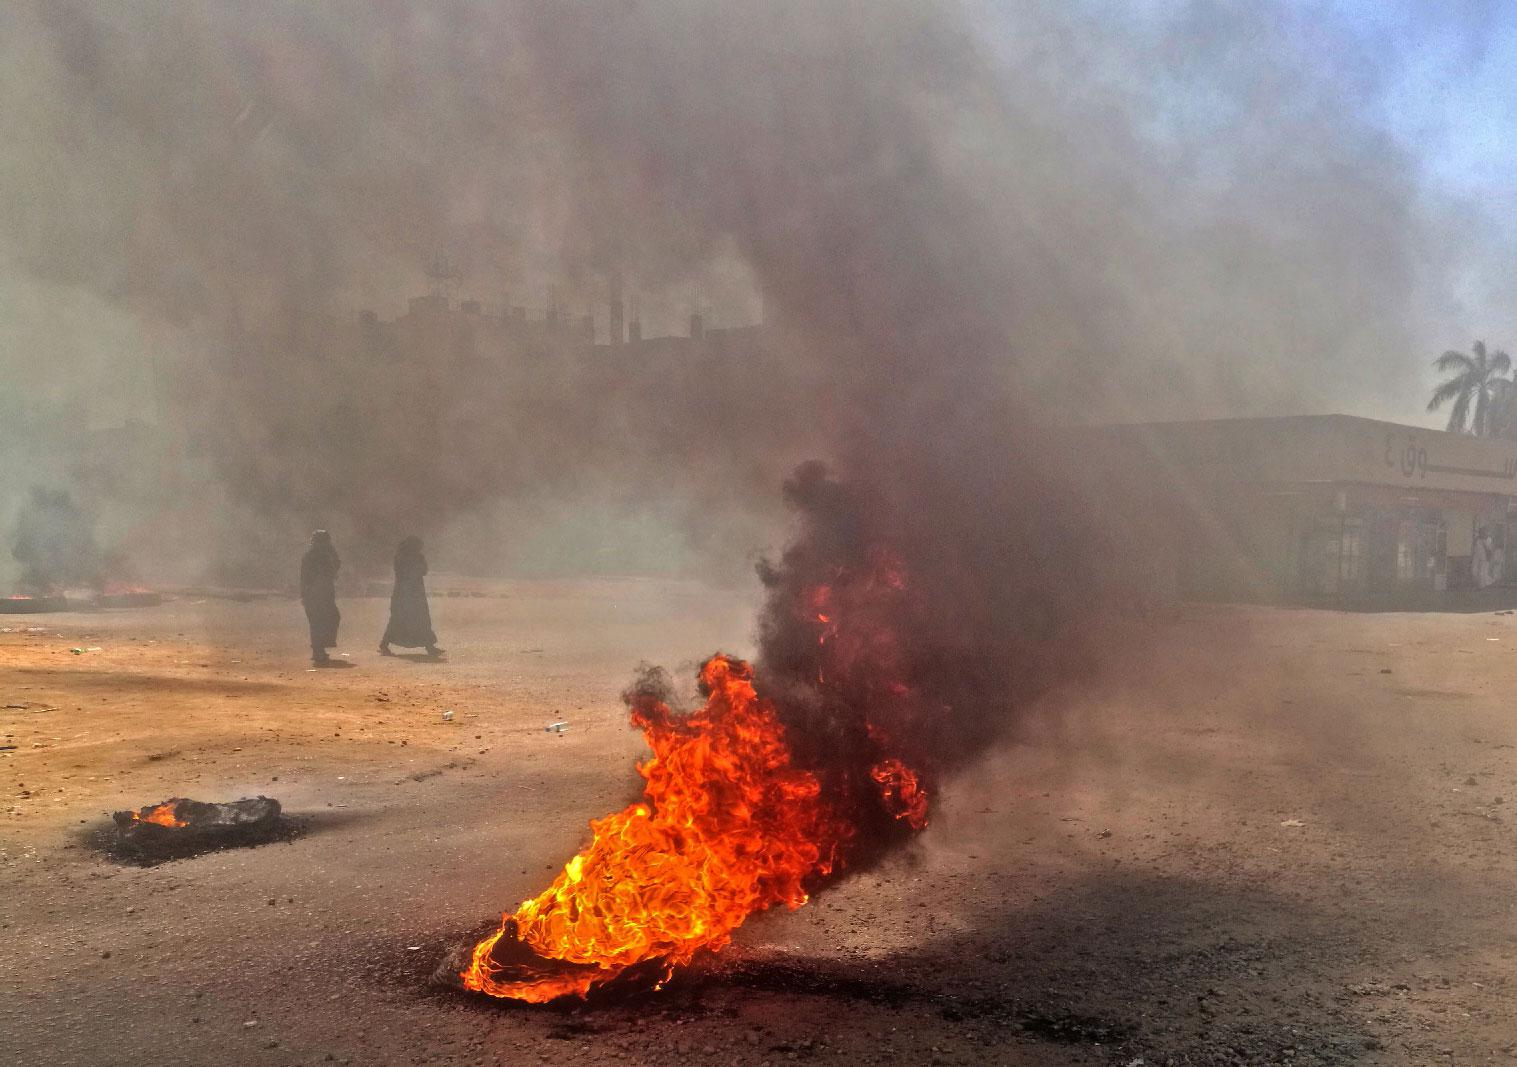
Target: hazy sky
x: 1411, y: 100
x: 1435, y: 78
x: 1126, y: 210
x: 1418, y: 93
x: 1447, y: 89
x: 1436, y: 74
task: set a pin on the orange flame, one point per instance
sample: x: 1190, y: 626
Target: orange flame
x: 114, y: 588
x: 903, y: 794
x: 163, y: 814
x: 728, y: 827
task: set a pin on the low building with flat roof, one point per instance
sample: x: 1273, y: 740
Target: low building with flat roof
x: 1331, y: 508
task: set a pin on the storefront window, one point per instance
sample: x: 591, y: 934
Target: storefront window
x: 1421, y: 551
x: 1332, y: 555
x: 1406, y: 551
x: 1351, y: 552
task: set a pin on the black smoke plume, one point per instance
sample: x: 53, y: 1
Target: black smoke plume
x: 958, y: 219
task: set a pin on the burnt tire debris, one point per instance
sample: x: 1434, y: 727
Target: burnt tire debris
x: 179, y: 828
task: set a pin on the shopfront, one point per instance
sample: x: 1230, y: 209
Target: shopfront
x: 1335, y: 508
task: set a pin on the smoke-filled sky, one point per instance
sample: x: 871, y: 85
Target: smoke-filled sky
x: 1176, y: 209
x: 1445, y: 86
x: 1435, y: 78
x: 1446, y: 93
x: 1350, y: 162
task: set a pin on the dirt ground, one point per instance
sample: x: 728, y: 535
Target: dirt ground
x: 1256, y: 836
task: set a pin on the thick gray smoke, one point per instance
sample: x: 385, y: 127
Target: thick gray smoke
x: 960, y: 221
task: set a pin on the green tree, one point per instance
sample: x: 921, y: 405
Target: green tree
x: 1476, y: 387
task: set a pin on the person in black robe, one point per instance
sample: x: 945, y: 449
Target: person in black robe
x: 410, y: 619
x: 318, y: 594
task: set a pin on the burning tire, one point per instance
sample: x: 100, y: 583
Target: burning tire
x: 179, y: 827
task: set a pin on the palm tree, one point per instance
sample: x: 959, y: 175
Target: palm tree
x: 1474, y: 382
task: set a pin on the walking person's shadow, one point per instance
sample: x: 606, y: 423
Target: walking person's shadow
x: 421, y: 657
